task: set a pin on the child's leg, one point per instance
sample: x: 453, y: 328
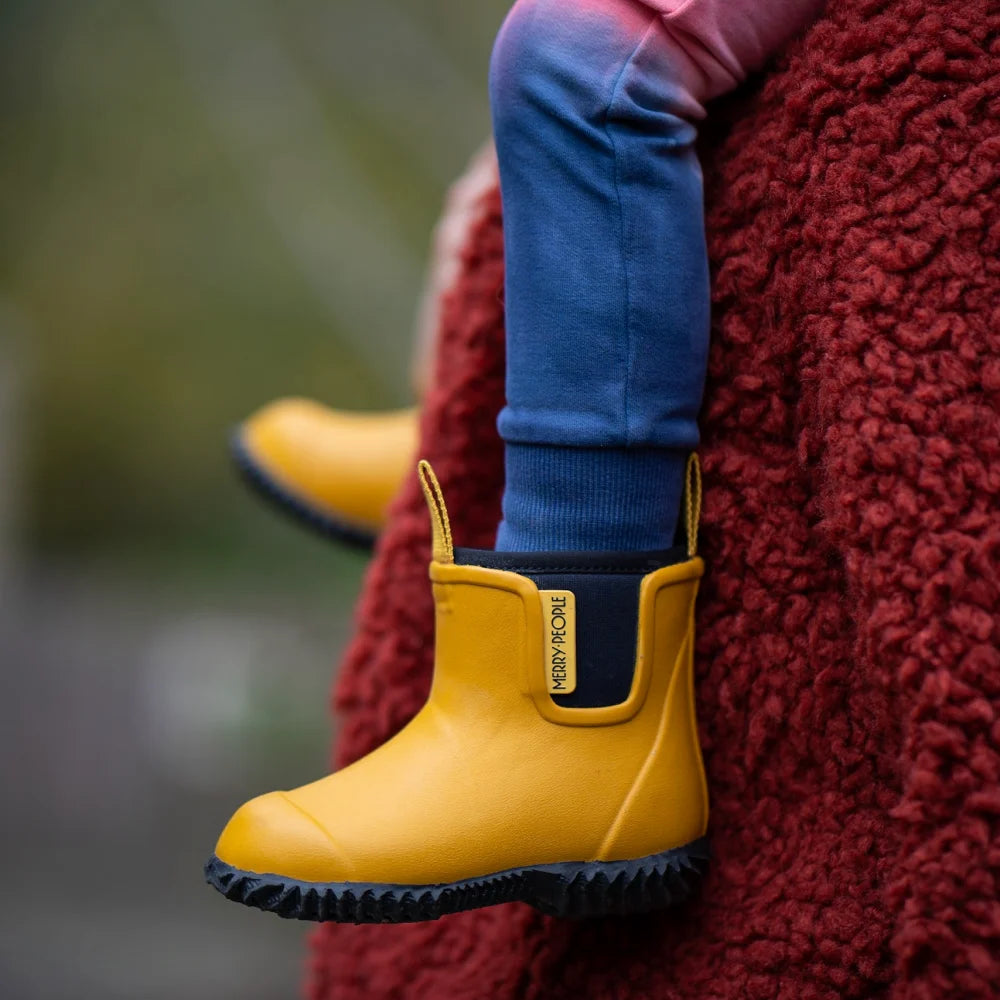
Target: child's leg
x: 594, y: 105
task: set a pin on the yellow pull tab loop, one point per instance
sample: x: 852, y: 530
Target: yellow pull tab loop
x: 692, y: 502
x: 442, y: 548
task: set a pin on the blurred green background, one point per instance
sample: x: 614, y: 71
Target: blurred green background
x: 203, y: 204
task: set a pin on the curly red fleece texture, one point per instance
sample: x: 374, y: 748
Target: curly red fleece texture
x: 848, y: 664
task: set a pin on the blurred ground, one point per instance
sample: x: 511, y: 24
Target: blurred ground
x: 202, y: 205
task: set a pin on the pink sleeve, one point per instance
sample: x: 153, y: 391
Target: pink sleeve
x: 727, y: 39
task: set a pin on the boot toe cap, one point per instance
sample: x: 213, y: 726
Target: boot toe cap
x: 282, y: 436
x: 271, y: 835
x: 341, y: 465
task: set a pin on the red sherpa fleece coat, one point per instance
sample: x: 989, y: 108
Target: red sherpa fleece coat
x: 848, y: 664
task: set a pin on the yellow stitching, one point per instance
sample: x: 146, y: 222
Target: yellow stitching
x: 693, y: 503
x: 443, y: 548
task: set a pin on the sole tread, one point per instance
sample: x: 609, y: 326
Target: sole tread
x: 570, y: 889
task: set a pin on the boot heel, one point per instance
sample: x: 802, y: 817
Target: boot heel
x: 606, y: 888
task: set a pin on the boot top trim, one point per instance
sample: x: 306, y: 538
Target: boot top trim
x: 682, y: 578
x: 602, y: 563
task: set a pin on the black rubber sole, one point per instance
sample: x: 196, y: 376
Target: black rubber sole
x: 569, y: 889
x: 277, y: 496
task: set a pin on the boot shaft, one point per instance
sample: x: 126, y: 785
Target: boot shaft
x: 493, y: 671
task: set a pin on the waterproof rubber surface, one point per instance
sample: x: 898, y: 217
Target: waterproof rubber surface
x: 260, y: 481
x: 570, y: 889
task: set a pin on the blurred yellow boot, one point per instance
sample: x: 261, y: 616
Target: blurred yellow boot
x: 555, y: 762
x: 335, y: 470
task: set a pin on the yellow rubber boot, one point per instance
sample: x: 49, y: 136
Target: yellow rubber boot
x: 334, y: 470
x: 519, y: 779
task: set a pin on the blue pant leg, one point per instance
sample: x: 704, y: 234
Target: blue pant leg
x: 607, y: 276
x: 607, y: 283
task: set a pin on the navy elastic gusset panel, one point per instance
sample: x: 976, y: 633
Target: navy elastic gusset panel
x: 606, y: 586
x: 607, y: 623
x: 527, y: 563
